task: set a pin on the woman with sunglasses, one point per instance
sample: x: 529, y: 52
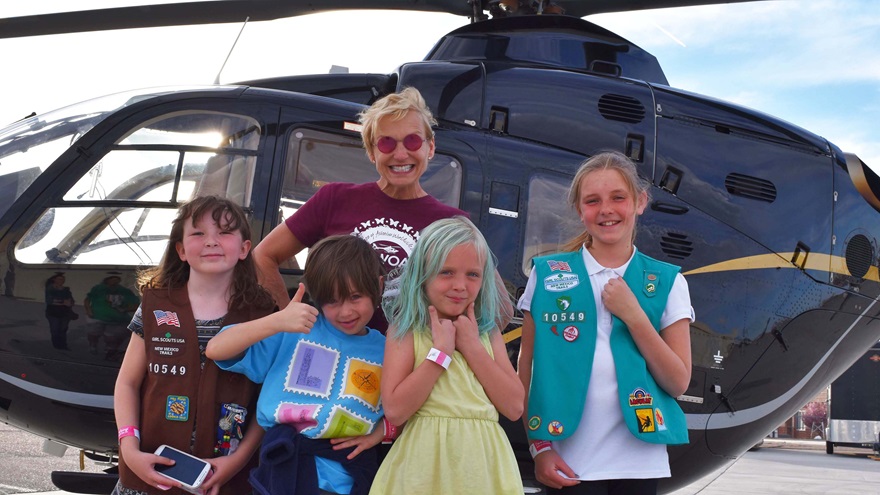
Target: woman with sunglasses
x: 388, y: 213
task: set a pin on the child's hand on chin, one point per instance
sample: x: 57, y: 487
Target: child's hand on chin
x: 442, y: 332
x: 466, y: 329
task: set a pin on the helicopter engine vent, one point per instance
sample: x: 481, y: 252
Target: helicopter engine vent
x: 676, y: 245
x: 859, y: 255
x: 621, y: 108
x: 750, y: 187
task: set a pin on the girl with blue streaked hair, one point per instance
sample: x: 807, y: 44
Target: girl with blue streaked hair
x: 446, y: 372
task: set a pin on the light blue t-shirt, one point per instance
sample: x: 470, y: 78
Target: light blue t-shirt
x: 324, y: 383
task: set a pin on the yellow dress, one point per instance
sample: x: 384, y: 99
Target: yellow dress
x: 453, y: 444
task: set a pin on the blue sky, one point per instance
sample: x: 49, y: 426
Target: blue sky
x: 813, y: 63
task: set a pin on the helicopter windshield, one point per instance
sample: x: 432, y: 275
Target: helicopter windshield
x: 28, y: 147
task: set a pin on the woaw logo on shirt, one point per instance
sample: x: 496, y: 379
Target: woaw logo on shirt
x: 392, y: 239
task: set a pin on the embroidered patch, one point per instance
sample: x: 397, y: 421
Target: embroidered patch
x: 534, y: 423
x: 345, y: 423
x: 558, y: 266
x: 646, y: 420
x: 177, y: 408
x: 563, y: 302
x: 639, y: 397
x: 555, y: 428
x: 312, y: 369
x: 559, y: 282
x: 166, y: 318
x: 362, y: 382
x: 658, y: 419
x: 570, y: 333
x: 301, y: 416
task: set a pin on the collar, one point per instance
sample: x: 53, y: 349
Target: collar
x: 593, y: 266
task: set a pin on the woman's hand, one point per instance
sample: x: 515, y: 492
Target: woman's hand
x: 442, y: 332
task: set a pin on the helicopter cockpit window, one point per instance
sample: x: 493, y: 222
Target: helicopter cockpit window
x: 310, y: 152
x: 110, y: 215
x: 550, y: 223
x: 215, y: 150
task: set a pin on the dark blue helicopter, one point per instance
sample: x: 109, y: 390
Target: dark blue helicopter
x: 775, y: 228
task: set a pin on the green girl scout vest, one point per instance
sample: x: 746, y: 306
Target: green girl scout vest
x: 563, y: 309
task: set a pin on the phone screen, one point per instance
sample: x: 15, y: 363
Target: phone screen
x: 186, y: 469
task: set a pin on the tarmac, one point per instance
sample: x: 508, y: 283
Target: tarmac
x: 782, y: 466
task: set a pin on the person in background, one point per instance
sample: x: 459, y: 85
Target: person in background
x: 109, y: 307
x: 59, y: 309
x: 605, y: 346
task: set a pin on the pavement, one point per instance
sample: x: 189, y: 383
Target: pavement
x: 810, y: 474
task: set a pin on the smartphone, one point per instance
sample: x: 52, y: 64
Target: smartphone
x: 189, y: 470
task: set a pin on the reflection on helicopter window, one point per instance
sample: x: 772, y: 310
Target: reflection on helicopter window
x: 217, y: 149
x: 550, y: 221
x: 109, y: 235
x: 309, y: 152
x: 110, y: 214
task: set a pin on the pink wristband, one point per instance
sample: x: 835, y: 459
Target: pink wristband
x: 439, y: 357
x: 390, y: 431
x: 129, y: 431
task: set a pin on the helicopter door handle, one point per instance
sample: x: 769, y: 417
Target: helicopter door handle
x: 796, y: 258
x: 670, y: 208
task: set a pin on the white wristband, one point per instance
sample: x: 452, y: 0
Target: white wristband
x: 538, y: 447
x: 439, y: 357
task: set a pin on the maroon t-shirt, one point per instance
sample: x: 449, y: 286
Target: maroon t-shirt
x: 390, y: 225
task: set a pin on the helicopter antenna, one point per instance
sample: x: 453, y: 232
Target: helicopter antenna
x: 217, y: 79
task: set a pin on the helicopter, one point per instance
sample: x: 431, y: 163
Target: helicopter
x: 783, y: 273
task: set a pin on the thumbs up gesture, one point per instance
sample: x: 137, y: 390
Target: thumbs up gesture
x: 298, y: 317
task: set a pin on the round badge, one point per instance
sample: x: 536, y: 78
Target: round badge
x: 570, y: 333
x: 650, y: 288
x: 555, y: 428
x: 534, y: 423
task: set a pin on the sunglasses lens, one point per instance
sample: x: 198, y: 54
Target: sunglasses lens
x: 386, y: 144
x: 413, y: 142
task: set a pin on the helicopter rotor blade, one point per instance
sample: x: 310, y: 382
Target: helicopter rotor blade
x: 226, y: 11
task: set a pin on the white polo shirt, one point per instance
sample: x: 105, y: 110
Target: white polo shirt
x: 602, y: 447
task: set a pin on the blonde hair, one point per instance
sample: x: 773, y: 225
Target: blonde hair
x: 396, y: 105
x: 608, y: 160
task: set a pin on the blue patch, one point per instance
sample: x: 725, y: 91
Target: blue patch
x: 177, y: 408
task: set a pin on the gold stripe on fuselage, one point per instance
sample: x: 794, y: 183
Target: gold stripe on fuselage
x: 815, y: 261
